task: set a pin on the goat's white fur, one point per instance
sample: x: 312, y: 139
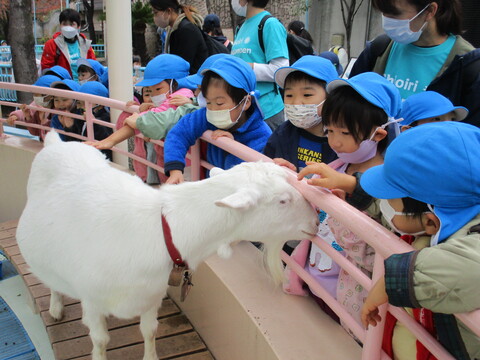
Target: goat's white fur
x: 94, y: 233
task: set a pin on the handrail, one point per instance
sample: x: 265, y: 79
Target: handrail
x: 383, y: 241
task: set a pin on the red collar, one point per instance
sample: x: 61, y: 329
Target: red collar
x: 172, y: 250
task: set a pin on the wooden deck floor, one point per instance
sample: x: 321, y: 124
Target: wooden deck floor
x: 176, y: 338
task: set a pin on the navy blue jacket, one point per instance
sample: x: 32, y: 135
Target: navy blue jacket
x: 284, y: 144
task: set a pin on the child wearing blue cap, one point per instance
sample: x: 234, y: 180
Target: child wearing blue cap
x: 355, y: 115
x: 89, y: 70
x: 444, y: 276
x: 58, y: 71
x: 301, y: 138
x: 36, y: 116
x: 79, y: 127
x: 429, y: 106
x: 63, y: 104
x: 161, y: 76
x: 228, y: 85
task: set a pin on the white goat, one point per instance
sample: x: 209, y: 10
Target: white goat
x: 94, y: 233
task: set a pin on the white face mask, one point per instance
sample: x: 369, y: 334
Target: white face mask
x: 81, y: 82
x: 221, y: 118
x: 69, y: 32
x: 159, y: 99
x: 202, y: 102
x: 41, y: 101
x: 239, y: 9
x: 389, y: 212
x: 399, y: 30
x: 303, y: 116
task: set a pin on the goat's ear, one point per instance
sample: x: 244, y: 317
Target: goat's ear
x: 241, y: 199
x: 215, y: 171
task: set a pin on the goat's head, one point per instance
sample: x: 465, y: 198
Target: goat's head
x: 272, y: 210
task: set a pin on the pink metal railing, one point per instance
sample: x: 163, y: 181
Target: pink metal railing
x: 384, y: 242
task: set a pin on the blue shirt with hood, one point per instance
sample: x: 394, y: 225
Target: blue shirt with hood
x: 254, y: 133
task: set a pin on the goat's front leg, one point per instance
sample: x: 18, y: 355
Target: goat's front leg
x: 96, y: 323
x: 56, y: 305
x: 148, y: 327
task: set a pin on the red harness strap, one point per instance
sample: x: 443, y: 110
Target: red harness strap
x: 172, y: 250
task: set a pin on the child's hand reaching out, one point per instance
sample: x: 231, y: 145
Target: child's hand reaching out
x: 376, y: 297
x: 330, y: 178
x: 179, y: 100
x: 286, y: 163
x: 219, y: 133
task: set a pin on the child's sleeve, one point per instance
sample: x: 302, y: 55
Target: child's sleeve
x: 181, y: 137
x: 442, y: 278
x: 156, y: 125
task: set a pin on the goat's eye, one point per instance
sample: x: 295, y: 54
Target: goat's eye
x: 283, y: 201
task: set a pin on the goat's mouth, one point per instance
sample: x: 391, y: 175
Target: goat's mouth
x: 309, y: 234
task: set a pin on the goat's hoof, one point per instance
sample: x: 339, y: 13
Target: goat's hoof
x: 56, y: 313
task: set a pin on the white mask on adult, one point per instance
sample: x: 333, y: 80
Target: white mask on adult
x: 239, y: 9
x: 399, y: 30
x: 69, y: 32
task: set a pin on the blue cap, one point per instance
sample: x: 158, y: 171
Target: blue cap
x: 330, y: 55
x: 46, y: 80
x: 59, y: 71
x: 315, y: 66
x: 94, y: 88
x: 162, y: 67
x: 234, y: 71
x: 193, y: 81
x: 104, y: 78
x: 98, y: 68
x: 429, y: 104
x: 436, y: 163
x: 375, y: 89
x: 72, y: 85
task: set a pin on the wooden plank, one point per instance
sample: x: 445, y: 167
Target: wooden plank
x: 204, y: 355
x: 166, y: 348
x: 44, y: 302
x: 74, y: 312
x: 39, y: 290
x: 74, y: 329
x: 18, y: 260
x: 31, y: 280
x: 120, y: 337
x: 7, y: 234
x: 11, y: 224
x: 12, y: 250
x: 23, y: 269
x: 7, y: 241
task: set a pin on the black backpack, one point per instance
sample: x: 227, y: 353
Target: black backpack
x: 297, y: 46
x: 214, y: 46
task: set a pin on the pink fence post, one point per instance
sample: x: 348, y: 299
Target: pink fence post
x: 372, y: 347
x: 195, y: 160
x: 89, y: 120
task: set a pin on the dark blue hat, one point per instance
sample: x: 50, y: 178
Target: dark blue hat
x: 162, y: 67
x: 315, y: 66
x: 234, y: 71
x: 94, y: 88
x: 375, y: 89
x: 193, y: 81
x: 429, y: 104
x: 330, y: 55
x: 46, y: 80
x: 98, y: 68
x: 70, y: 84
x: 211, y: 20
x: 59, y: 71
x: 436, y: 163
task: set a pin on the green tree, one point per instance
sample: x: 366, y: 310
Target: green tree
x: 349, y: 10
x: 141, y: 16
x: 20, y: 30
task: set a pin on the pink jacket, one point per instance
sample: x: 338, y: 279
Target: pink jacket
x: 35, y: 119
x: 139, y: 144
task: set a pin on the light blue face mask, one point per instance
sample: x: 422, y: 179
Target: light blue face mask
x: 399, y: 30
